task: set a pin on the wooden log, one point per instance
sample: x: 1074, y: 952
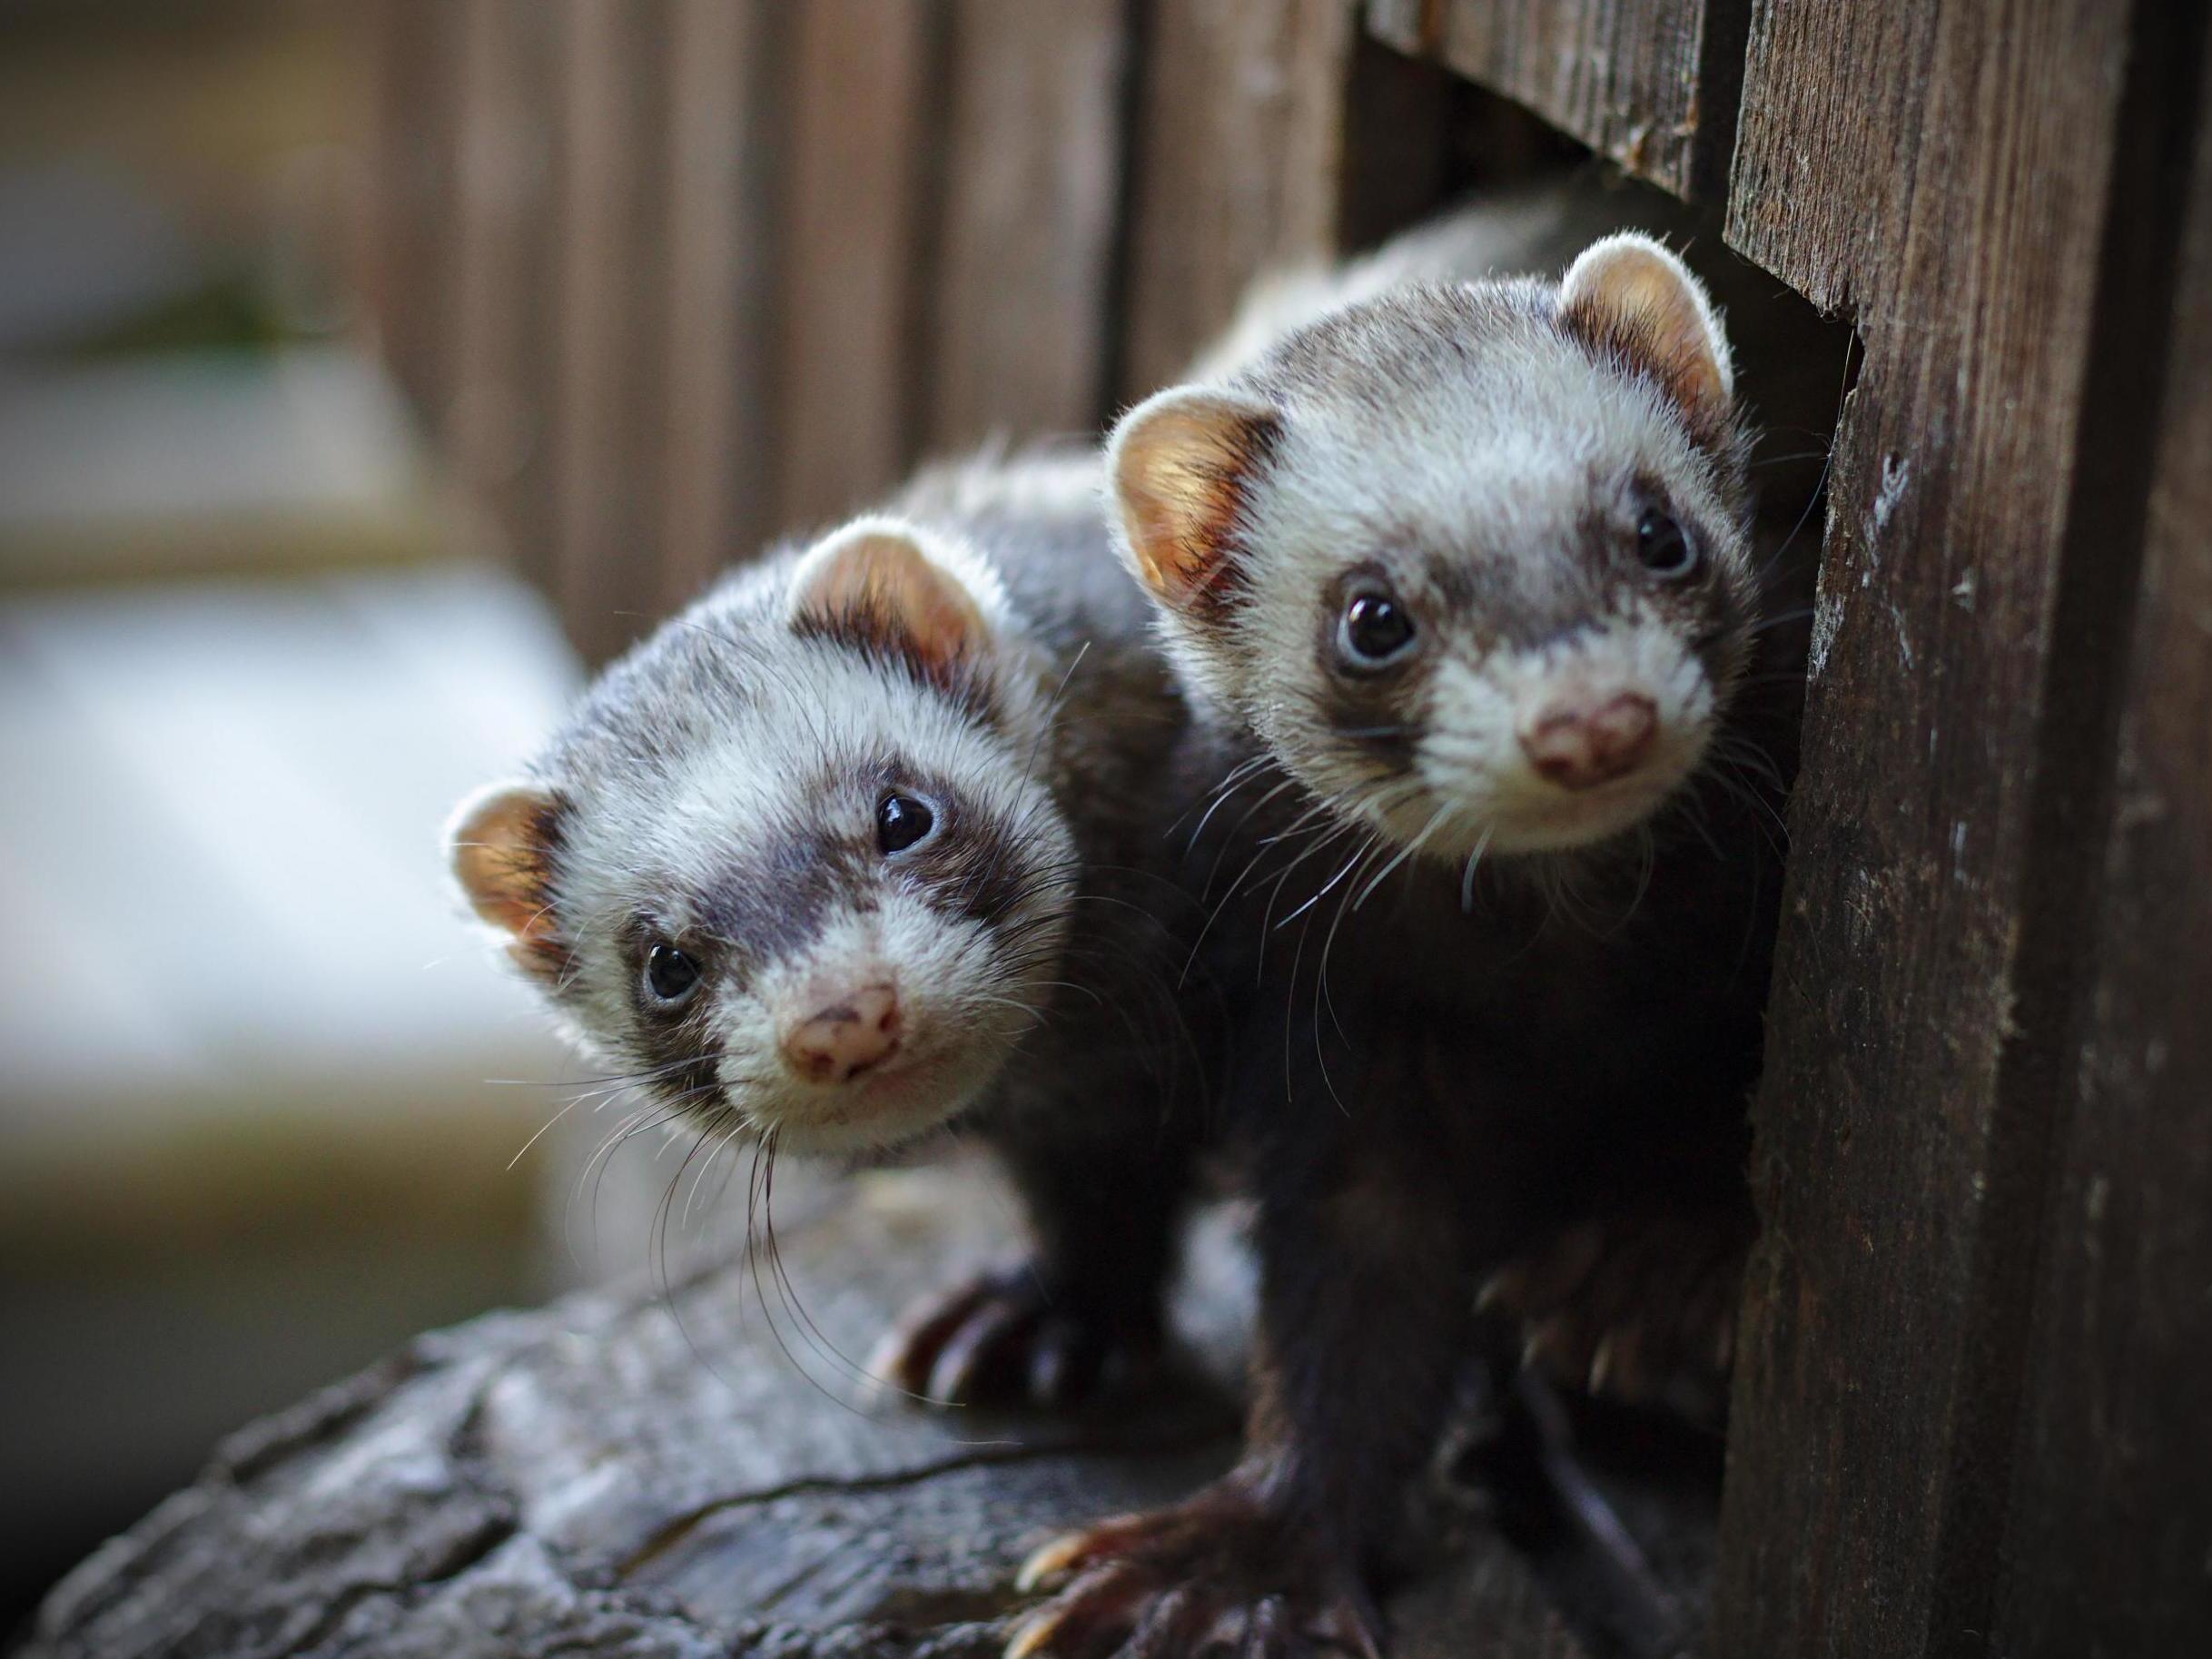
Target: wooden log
x: 1652, y: 84
x: 1980, y: 184
x: 653, y: 1476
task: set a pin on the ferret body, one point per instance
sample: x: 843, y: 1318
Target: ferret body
x: 974, y: 648
x: 1463, y: 576
x: 873, y: 840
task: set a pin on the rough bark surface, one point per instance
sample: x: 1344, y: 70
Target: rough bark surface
x: 644, y: 1474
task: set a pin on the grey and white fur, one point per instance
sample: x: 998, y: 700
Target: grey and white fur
x: 713, y: 874
x: 1464, y: 577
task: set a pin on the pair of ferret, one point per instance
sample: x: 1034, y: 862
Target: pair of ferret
x: 1451, y: 781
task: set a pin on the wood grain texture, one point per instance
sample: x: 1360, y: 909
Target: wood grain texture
x: 2109, y: 1525
x: 498, y: 420
x: 1652, y: 84
x: 1238, y: 160
x: 1965, y: 180
x: 1016, y: 337
x: 414, y: 197
x: 861, y: 159
x: 653, y: 1476
x: 722, y: 199
x: 609, y: 414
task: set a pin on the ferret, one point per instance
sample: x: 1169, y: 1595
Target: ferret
x: 1465, y: 575
x: 873, y: 840
x: 876, y: 839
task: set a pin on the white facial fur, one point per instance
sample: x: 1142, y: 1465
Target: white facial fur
x: 718, y: 792
x: 1453, y: 449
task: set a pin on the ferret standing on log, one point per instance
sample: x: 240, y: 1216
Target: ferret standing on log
x: 873, y: 839
x: 1466, y: 576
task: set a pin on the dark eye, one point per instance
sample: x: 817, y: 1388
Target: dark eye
x: 1374, y: 629
x: 1664, y: 546
x: 670, y: 974
x: 901, y: 821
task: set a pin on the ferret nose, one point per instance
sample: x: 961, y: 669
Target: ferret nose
x: 841, y: 1039
x: 1579, y: 745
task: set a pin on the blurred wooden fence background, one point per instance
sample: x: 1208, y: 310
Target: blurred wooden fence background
x: 670, y: 276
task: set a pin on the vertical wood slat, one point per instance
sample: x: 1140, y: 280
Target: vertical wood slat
x: 409, y: 266
x: 859, y: 159
x: 722, y: 207
x: 1652, y: 84
x: 1954, y: 174
x: 1237, y: 165
x: 612, y: 303
x: 2108, y: 1546
x: 498, y: 425
x: 1015, y: 338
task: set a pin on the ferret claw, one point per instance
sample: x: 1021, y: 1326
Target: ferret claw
x: 1054, y: 1561
x: 1629, y: 1305
x: 1217, y: 1577
x: 1000, y: 1341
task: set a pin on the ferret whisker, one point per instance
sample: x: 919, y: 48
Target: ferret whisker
x: 1242, y: 773
x: 1360, y: 859
x: 1236, y: 831
x: 1410, y: 848
x: 1467, y: 881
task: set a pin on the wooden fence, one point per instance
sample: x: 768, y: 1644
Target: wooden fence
x: 669, y: 275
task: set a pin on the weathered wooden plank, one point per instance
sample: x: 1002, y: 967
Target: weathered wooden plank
x: 2107, y: 1548
x: 1237, y: 165
x: 499, y: 418
x: 862, y: 159
x: 1962, y: 176
x: 609, y: 422
x: 726, y: 100
x: 409, y: 265
x: 1653, y: 84
x: 1016, y: 339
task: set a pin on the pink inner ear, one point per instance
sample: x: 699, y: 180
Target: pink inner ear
x: 1631, y: 302
x: 881, y: 587
x: 499, y: 858
x: 1180, y: 476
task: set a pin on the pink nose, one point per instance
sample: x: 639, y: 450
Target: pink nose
x: 837, y: 1042
x: 1579, y: 745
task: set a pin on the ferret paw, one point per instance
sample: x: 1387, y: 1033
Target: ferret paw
x: 1002, y: 1341
x: 1629, y: 1305
x: 1217, y: 1577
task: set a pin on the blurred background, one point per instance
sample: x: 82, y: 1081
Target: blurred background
x: 367, y: 371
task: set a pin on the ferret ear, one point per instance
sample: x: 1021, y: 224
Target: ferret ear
x: 1181, y: 465
x: 875, y: 583
x: 1627, y: 295
x: 500, y: 847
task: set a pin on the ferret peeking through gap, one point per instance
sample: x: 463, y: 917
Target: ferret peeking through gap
x: 1467, y: 569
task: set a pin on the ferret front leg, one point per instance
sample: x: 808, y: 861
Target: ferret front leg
x: 1081, y: 1314
x: 1365, y: 1320
x: 1639, y: 1304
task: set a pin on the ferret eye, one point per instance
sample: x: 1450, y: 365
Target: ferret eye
x: 1664, y: 546
x: 670, y: 974
x: 1374, y: 629
x: 901, y: 820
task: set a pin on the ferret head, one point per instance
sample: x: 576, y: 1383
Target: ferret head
x: 790, y: 863
x: 1473, y: 560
